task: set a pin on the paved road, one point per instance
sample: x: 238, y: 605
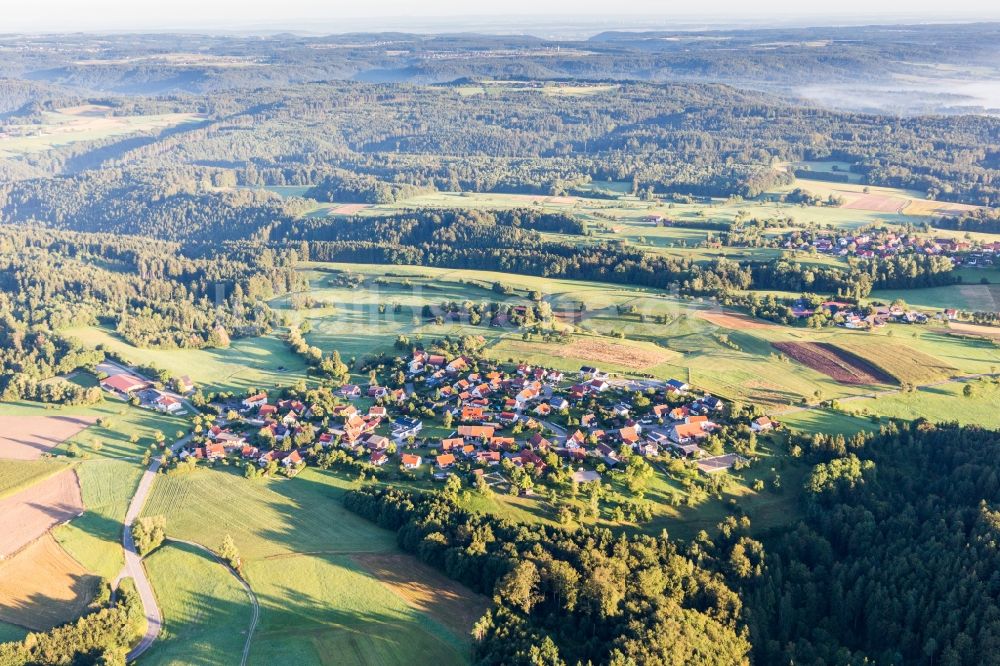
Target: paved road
x: 255, y: 616
x: 133, y: 563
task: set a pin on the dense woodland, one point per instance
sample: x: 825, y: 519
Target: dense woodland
x: 897, y: 559
x: 561, y: 597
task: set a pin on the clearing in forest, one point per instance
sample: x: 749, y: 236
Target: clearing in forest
x: 838, y: 364
x: 32, y: 512
x: 426, y: 589
x: 28, y: 437
x: 42, y: 586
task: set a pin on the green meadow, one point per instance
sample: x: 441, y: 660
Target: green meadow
x: 296, y: 540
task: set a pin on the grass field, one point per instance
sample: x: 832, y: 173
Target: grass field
x: 94, y: 539
x: 826, y: 421
x: 247, y: 363
x: 11, y: 632
x: 82, y: 123
x: 318, y: 606
x: 938, y: 403
x: 16, y: 475
x: 205, y: 609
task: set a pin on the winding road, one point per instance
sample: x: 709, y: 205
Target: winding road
x: 133, y: 562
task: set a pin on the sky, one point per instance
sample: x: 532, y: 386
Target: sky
x: 34, y: 16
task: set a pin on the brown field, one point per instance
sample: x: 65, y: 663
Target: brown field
x: 927, y: 207
x: 561, y: 200
x: 959, y: 328
x: 838, y: 364
x: 595, y: 350
x: 735, y: 320
x: 881, y: 203
x: 904, y: 363
x: 425, y: 589
x: 28, y: 437
x: 42, y: 586
x: 348, y: 209
x: 32, y: 512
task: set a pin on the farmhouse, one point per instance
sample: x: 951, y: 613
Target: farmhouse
x: 761, y: 424
x: 255, y: 400
x: 123, y: 384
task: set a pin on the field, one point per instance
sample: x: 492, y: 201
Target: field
x: 42, y: 586
x: 206, y: 611
x: 426, y: 589
x: 970, y: 297
x: 898, y: 361
x: 16, y: 475
x: 82, y: 123
x: 940, y: 403
x: 35, y: 510
x: 736, y: 321
x: 298, y: 542
x: 960, y: 328
x: 94, y: 539
x: 248, y: 363
x: 828, y: 359
x: 28, y: 437
x: 588, y: 350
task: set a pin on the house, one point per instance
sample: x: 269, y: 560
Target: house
x: 376, y: 443
x: 472, y: 414
x: 378, y: 458
x: 629, y: 436
x: 377, y: 391
x: 488, y: 457
x: 761, y: 424
x: 267, y: 410
x: 350, y: 391
x: 508, y: 418
x: 183, y: 384
x: 683, y: 433
x: 452, y: 443
x: 476, y: 432
x: 676, y: 386
x: 411, y: 461
x: 648, y: 449
x: 598, y: 385
x: 576, y: 440
x: 377, y: 412
x: 661, y: 411
x: 712, y: 403
x: 621, y: 409
x: 168, y: 404
x: 460, y: 364
x: 951, y: 314
x: 543, y: 410
x: 214, y: 451
x: 405, y: 427
x: 293, y: 459
x: 255, y: 400
x: 445, y: 461
x: 249, y: 452
x: 123, y: 384
x: 587, y: 371
x: 559, y: 403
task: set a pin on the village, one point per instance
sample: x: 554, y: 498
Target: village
x: 471, y: 418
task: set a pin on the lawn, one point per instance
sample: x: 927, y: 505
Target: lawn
x: 247, y: 363
x: 826, y: 421
x: 94, y: 539
x: 205, y: 609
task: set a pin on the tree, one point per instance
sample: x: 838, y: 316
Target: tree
x: 148, y: 533
x: 230, y: 553
x: 519, y: 587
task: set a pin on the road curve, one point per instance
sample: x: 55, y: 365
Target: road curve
x: 133, y: 562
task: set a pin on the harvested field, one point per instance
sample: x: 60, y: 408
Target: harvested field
x: 28, y: 437
x: 927, y: 207
x: 32, y: 512
x: 599, y: 351
x: 992, y: 332
x: 42, y: 586
x: 735, y: 320
x: 348, y: 209
x: 900, y: 361
x: 424, y: 588
x: 982, y: 297
x: 838, y: 364
x: 880, y: 203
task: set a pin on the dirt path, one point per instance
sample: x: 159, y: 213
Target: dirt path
x: 255, y: 617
